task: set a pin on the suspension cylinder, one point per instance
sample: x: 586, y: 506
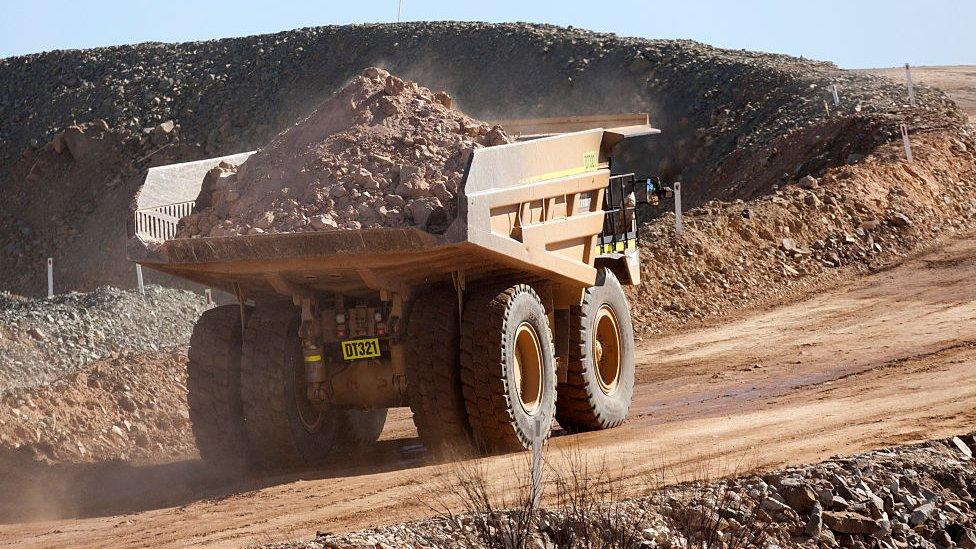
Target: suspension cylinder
x: 316, y: 376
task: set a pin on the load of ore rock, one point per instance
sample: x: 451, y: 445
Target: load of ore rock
x: 381, y: 152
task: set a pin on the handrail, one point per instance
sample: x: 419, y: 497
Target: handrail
x: 160, y: 223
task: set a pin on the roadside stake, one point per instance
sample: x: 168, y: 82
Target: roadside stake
x: 833, y: 90
x: 908, y: 143
x: 142, y: 287
x: 50, y: 277
x: 536, y: 462
x: 677, y: 208
x: 911, y: 86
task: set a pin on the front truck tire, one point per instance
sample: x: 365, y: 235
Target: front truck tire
x: 283, y: 429
x: 600, y: 374
x: 433, y: 372
x: 213, y: 386
x: 508, y: 368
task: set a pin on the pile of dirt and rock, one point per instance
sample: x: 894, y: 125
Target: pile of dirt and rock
x: 909, y: 496
x: 42, y: 340
x: 735, y: 123
x: 381, y: 152
x: 857, y: 217
x: 127, y: 407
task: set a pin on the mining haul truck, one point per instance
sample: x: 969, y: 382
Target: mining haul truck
x: 511, y: 320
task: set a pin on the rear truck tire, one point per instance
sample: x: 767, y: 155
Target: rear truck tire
x: 600, y: 368
x: 283, y: 428
x: 360, y: 427
x: 433, y: 371
x: 214, y: 386
x: 508, y: 368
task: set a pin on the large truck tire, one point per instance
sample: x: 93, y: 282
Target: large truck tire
x: 600, y: 377
x: 283, y: 428
x: 214, y: 386
x: 508, y: 368
x: 433, y: 372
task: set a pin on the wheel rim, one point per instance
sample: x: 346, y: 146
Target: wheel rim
x: 606, y: 350
x: 527, y: 360
x: 310, y: 417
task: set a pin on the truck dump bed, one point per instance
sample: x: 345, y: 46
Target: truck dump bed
x: 532, y: 207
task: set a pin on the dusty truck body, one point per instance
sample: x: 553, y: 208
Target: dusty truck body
x: 512, y: 318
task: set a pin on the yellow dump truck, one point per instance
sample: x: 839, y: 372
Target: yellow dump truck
x: 514, y: 318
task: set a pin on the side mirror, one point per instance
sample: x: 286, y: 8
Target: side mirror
x: 652, y: 192
x: 646, y: 193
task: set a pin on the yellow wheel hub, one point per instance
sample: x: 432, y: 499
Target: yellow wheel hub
x: 606, y: 349
x: 527, y: 361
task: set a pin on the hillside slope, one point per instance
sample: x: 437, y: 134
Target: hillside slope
x: 957, y: 81
x: 736, y: 123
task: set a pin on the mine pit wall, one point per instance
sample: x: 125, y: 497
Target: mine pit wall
x: 735, y: 123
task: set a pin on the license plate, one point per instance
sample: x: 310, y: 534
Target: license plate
x: 360, y: 348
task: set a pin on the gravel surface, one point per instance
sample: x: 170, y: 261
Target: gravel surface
x: 43, y: 339
x: 381, y: 152
x: 908, y: 496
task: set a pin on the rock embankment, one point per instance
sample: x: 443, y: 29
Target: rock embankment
x: 910, y: 496
x: 127, y: 407
x: 90, y: 377
x: 44, y: 339
x: 854, y: 218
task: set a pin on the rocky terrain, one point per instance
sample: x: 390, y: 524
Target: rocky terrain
x: 89, y: 377
x: 381, y: 152
x: 803, y: 235
x: 909, y: 496
x: 959, y: 81
x: 79, y: 128
x: 127, y: 407
x: 44, y: 339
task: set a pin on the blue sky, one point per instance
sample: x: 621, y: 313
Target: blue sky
x: 852, y: 33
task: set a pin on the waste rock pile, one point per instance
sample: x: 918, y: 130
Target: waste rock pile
x: 804, y: 234
x: 908, y: 496
x: 382, y: 152
x: 43, y: 339
x: 127, y: 407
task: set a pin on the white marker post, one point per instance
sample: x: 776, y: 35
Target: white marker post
x: 677, y: 208
x: 142, y: 287
x: 50, y: 277
x: 907, y: 142
x: 208, y: 295
x: 399, y: 9
x: 833, y: 91
x: 911, y: 85
x: 536, y: 462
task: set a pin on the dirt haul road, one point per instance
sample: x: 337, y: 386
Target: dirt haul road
x: 887, y: 358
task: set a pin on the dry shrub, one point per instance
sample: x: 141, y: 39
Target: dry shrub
x: 591, y: 511
x: 502, y: 519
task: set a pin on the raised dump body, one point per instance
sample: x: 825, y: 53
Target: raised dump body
x: 477, y: 330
